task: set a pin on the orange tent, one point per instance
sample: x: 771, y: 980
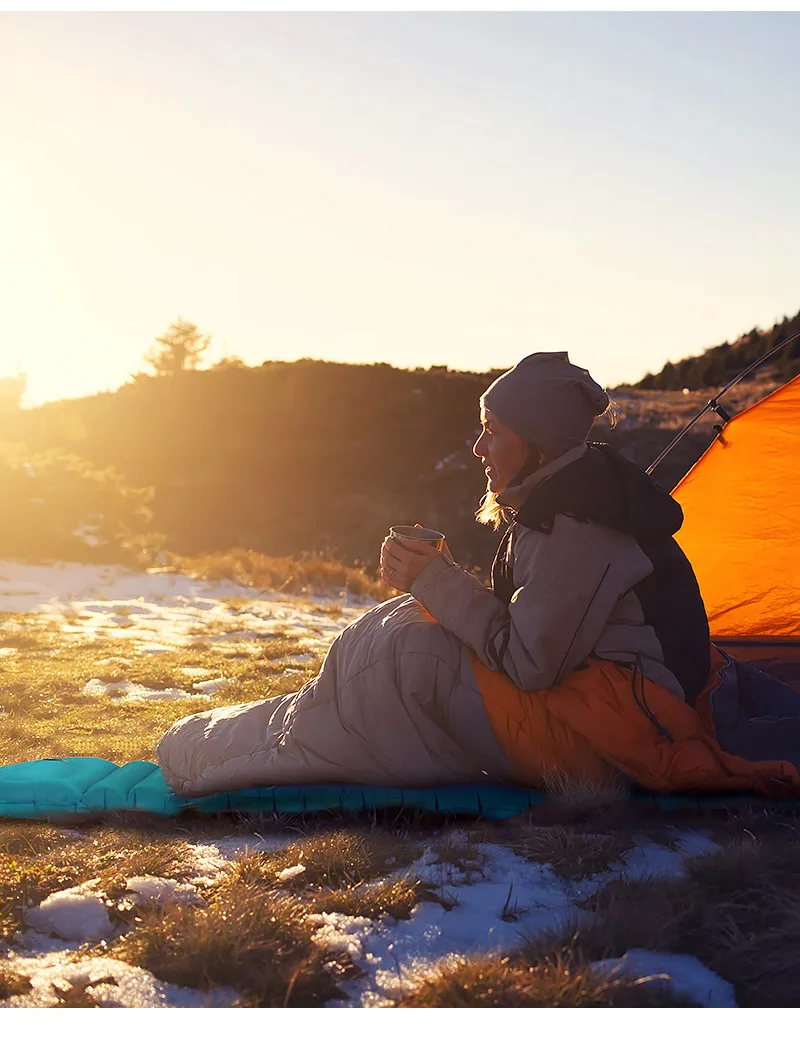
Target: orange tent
x: 741, y: 530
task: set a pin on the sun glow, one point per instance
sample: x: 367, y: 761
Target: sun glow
x: 32, y: 340
x: 411, y: 189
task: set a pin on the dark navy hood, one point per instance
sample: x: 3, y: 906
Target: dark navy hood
x: 606, y: 488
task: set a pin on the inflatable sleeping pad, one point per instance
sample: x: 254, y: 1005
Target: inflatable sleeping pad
x: 48, y: 789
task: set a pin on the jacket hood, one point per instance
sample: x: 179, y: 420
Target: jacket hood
x: 606, y: 488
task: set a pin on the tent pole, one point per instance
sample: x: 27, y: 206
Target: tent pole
x: 714, y: 405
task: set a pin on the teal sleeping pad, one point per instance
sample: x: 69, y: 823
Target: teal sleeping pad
x: 50, y: 789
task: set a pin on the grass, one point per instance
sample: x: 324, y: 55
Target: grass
x: 737, y: 910
x: 249, y: 937
x: 307, y: 575
x: 25, y: 883
x: 395, y: 897
x: 44, y: 690
x: 12, y: 982
x: 255, y: 928
x: 254, y: 935
x: 337, y: 860
x: 508, y: 981
x: 671, y: 409
x: 460, y: 850
x: 571, y: 854
x: 37, y: 860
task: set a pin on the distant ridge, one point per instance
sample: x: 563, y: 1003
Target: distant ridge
x: 308, y: 456
x: 718, y: 365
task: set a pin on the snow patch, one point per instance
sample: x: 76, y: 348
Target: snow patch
x: 126, y: 691
x: 155, y: 890
x: 685, y: 974
x: 109, y: 982
x: 291, y: 873
x: 513, y: 898
x: 75, y: 914
x: 161, y: 611
x: 208, y: 862
x: 211, y: 686
x: 342, y: 933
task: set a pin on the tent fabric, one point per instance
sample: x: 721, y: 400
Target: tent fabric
x: 741, y: 505
x: 778, y: 658
x: 65, y: 789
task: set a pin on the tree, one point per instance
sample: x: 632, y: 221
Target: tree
x: 12, y: 389
x: 178, y: 349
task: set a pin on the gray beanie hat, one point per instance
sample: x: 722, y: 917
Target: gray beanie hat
x: 547, y: 400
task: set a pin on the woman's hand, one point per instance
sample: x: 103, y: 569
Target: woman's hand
x: 402, y: 562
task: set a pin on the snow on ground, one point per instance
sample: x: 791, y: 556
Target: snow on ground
x: 685, y: 974
x: 126, y: 691
x: 484, y: 910
x: 81, y: 913
x: 511, y: 899
x: 76, y: 914
x: 109, y: 982
x: 156, y: 890
x: 157, y: 610
x: 487, y: 909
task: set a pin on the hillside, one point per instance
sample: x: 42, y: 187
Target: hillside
x: 288, y: 458
x: 720, y: 364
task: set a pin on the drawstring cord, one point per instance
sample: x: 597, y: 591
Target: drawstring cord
x: 641, y: 701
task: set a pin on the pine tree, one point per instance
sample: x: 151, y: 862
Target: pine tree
x: 178, y: 349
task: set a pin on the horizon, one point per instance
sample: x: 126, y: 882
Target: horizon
x: 201, y: 368
x: 446, y: 189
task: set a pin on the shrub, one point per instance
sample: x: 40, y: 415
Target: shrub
x: 67, y: 508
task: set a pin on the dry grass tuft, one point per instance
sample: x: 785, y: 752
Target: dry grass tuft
x: 582, y: 793
x: 571, y: 854
x: 510, y: 982
x: 299, y: 576
x: 26, y: 882
x: 27, y: 839
x: 396, y: 897
x: 249, y: 937
x: 737, y: 910
x: 12, y: 983
x: 42, y: 860
x: 459, y: 850
x: 169, y: 860
x: 334, y: 859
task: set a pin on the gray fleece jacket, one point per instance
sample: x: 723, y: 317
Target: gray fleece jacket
x: 574, y: 598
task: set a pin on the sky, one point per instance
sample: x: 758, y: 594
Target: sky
x: 420, y: 189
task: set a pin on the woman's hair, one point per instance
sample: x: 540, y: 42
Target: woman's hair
x: 491, y: 513
x: 612, y: 414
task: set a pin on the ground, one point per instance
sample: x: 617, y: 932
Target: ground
x: 603, y: 906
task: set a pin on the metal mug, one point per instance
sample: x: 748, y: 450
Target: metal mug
x: 428, y: 537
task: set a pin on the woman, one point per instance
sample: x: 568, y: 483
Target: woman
x: 588, y: 566
x: 589, y: 655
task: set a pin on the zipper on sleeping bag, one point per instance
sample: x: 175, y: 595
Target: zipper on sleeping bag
x: 641, y: 701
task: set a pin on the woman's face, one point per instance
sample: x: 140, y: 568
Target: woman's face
x: 501, y: 450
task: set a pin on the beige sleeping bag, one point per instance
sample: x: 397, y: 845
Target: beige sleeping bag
x: 395, y: 703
